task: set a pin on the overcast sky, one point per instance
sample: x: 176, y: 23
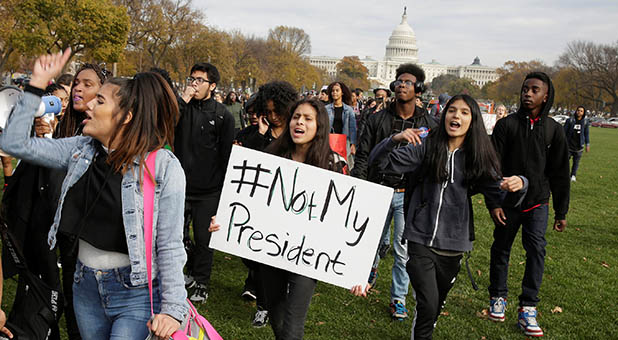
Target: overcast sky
x: 451, y: 31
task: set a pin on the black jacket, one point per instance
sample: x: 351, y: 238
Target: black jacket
x: 377, y: 127
x: 537, y: 151
x: 203, y: 143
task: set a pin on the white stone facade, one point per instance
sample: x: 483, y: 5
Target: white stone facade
x: 401, y: 49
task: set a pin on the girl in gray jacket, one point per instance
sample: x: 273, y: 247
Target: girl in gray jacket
x: 453, y: 163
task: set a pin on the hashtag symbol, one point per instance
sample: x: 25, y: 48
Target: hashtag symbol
x: 243, y: 171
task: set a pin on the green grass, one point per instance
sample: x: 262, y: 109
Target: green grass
x: 575, y: 278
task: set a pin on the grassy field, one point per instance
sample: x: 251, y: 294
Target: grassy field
x: 580, y: 278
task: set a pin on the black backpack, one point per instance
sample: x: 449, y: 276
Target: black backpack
x: 37, y: 307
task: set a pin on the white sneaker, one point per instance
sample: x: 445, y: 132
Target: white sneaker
x: 573, y: 179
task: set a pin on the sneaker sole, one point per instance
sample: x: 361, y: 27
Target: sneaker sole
x: 529, y: 333
x: 496, y: 318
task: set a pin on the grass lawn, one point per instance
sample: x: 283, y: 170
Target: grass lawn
x: 581, y: 269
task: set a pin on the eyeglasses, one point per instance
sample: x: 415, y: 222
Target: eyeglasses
x: 199, y: 80
x: 409, y: 83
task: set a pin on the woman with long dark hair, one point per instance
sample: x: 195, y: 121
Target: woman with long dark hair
x: 454, y: 162
x: 86, y: 83
x: 341, y: 116
x: 305, y: 141
x: 101, y: 198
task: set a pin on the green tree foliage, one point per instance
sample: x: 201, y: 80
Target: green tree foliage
x: 20, y: 32
x: 440, y: 83
x: 95, y: 29
x: 352, y: 72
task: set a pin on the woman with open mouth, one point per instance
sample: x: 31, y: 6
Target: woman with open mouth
x: 127, y: 124
x: 454, y: 162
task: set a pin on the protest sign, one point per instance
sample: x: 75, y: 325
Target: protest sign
x: 300, y: 218
x: 489, y: 119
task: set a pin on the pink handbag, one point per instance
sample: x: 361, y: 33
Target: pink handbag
x: 195, y: 327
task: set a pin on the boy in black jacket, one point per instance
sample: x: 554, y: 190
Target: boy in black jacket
x: 531, y: 144
x: 203, y: 143
x: 397, y: 117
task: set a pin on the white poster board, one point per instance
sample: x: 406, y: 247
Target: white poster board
x: 490, y: 121
x: 300, y: 218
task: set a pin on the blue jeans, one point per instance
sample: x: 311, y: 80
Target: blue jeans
x: 577, y: 155
x: 107, y: 306
x: 534, y: 225
x: 399, y: 285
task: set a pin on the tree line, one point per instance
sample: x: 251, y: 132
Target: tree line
x: 585, y: 74
x: 137, y: 35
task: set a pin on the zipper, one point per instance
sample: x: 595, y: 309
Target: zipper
x: 450, y: 159
x: 435, y: 228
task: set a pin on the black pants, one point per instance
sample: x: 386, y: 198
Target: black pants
x: 288, y: 296
x: 68, y: 259
x: 534, y: 225
x: 201, y: 211
x: 254, y: 282
x: 432, y: 276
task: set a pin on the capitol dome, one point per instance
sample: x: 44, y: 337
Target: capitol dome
x: 402, y: 43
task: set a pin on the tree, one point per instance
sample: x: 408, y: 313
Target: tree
x: 292, y: 39
x: 596, y: 67
x: 352, y: 72
x: 440, y: 83
x: 511, y: 76
x: 463, y: 86
x: 19, y: 32
x: 158, y: 27
x: 95, y: 28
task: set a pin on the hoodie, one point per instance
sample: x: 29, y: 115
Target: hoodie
x: 439, y: 214
x: 583, y: 125
x: 536, y: 149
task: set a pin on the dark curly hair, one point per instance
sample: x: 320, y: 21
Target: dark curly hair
x: 346, y: 95
x: 412, y: 69
x: 281, y: 93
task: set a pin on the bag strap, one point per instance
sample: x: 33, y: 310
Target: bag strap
x: 149, y: 191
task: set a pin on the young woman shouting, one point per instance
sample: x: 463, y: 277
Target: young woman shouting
x: 453, y: 163
x: 102, y: 199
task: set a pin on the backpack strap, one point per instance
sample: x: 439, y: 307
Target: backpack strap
x: 149, y: 191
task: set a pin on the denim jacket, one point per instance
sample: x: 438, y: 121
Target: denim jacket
x: 75, y: 154
x: 349, y: 121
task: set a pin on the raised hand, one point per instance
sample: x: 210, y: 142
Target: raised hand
x: 46, y: 67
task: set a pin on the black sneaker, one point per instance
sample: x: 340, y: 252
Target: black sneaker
x: 200, y: 294
x: 261, y: 319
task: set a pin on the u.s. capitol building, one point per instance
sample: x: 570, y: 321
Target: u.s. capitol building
x: 401, y: 48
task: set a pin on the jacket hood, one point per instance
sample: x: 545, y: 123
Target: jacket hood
x: 550, y: 93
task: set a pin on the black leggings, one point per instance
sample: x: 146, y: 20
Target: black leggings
x: 432, y: 276
x: 288, y: 296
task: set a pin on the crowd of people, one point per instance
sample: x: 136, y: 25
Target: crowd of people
x: 88, y: 182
